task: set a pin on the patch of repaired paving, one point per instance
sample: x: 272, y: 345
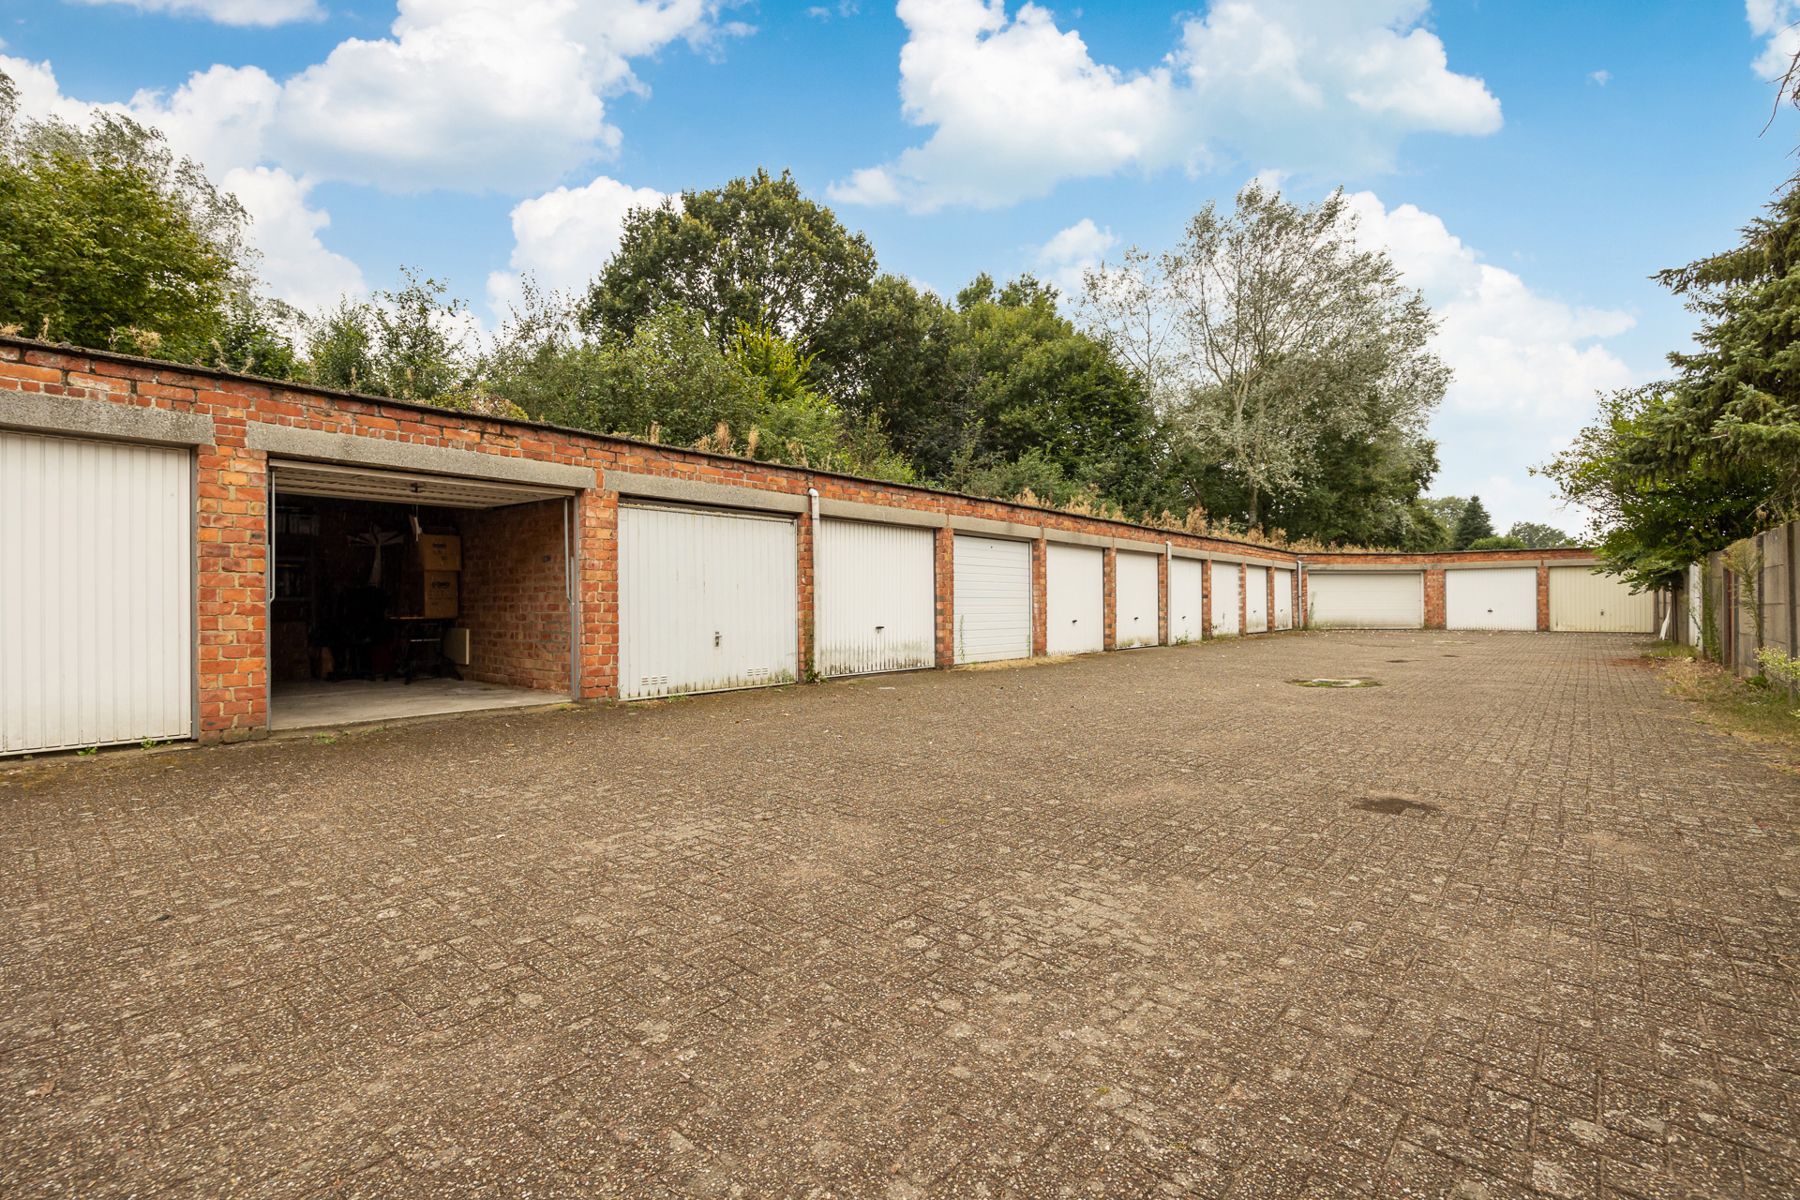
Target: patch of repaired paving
x: 1116, y: 926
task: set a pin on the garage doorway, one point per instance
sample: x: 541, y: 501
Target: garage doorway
x: 394, y: 595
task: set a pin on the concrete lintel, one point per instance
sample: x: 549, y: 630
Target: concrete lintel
x: 697, y: 491
x: 104, y: 419
x: 1137, y: 546
x: 1180, y: 551
x: 1251, y: 560
x: 358, y: 450
x: 1000, y: 529
x: 856, y: 510
x: 1365, y: 568
x: 1530, y: 564
x: 1070, y: 537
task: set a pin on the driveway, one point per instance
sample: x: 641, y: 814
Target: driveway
x: 1147, y: 923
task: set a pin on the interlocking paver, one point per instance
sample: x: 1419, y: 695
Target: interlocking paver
x: 1116, y: 926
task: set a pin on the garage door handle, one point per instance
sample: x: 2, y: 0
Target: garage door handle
x: 715, y: 637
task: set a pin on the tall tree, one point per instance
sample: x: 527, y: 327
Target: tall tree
x: 108, y: 239
x: 1472, y: 525
x: 1538, y: 536
x: 1269, y: 331
x: 754, y: 252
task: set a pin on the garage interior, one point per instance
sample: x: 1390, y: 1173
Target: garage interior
x: 397, y: 595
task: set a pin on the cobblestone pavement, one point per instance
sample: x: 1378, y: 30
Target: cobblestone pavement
x: 1148, y: 923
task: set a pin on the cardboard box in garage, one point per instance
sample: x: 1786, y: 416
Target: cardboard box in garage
x: 440, y: 552
x: 437, y: 594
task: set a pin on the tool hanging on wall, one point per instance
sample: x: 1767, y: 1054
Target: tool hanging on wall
x: 376, y: 539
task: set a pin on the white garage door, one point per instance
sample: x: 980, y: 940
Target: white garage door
x: 1225, y: 585
x: 876, y: 598
x: 1256, y: 599
x: 1500, y: 598
x: 1075, y: 582
x: 1185, y: 596
x: 706, y: 601
x: 96, y: 593
x: 1584, y: 601
x: 1366, y: 599
x: 1284, y: 599
x: 1134, y: 600
x: 992, y: 600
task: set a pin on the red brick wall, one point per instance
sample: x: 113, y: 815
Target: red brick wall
x: 232, y: 521
x: 1040, y: 597
x: 1162, y: 600
x: 1206, y: 598
x: 945, y: 549
x: 514, y: 599
x: 1109, y: 597
x: 1434, y: 598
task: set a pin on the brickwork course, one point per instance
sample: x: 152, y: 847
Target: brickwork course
x: 1511, y: 924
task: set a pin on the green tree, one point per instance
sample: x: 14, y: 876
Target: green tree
x: 1677, y: 469
x: 1538, y: 536
x: 1268, y: 332
x: 1498, y: 542
x: 405, y: 342
x: 1472, y: 524
x: 109, y: 240
x: 754, y: 252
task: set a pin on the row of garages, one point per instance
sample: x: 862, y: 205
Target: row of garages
x: 1478, y: 597
x: 710, y: 599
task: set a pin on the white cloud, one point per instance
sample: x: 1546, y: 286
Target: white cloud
x: 295, y: 264
x: 1601, y: 77
x: 1072, y: 251
x: 1527, y: 366
x: 1779, y: 22
x: 229, y: 12
x: 563, y: 237
x: 1016, y: 104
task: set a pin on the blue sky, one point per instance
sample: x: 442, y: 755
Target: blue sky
x: 1527, y: 164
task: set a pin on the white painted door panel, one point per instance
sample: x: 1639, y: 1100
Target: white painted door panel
x: 1076, y: 590
x: 706, y: 601
x: 1365, y: 599
x: 876, y: 598
x: 96, y: 593
x: 1134, y: 599
x: 1284, y: 599
x: 1185, y: 595
x: 992, y: 600
x: 1584, y: 601
x: 1494, y: 598
x: 1256, y: 599
x: 1226, y: 584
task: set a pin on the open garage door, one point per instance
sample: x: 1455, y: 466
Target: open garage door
x: 397, y: 594
x: 992, y: 601
x: 876, y: 598
x: 708, y: 600
x: 96, y: 593
x: 1365, y: 599
x: 1495, y: 598
x: 1226, y: 583
x: 1075, y: 620
x: 1583, y: 600
x: 1134, y: 600
x: 1186, y: 593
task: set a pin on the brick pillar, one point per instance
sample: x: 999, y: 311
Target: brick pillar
x: 597, y: 591
x: 1162, y: 599
x: 1543, y: 597
x: 946, y: 597
x: 232, y: 544
x: 1269, y: 604
x: 803, y: 588
x: 1040, y: 598
x: 1300, y: 615
x: 1108, y: 591
x: 1434, y: 597
x: 1243, y: 598
x: 1206, y: 628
